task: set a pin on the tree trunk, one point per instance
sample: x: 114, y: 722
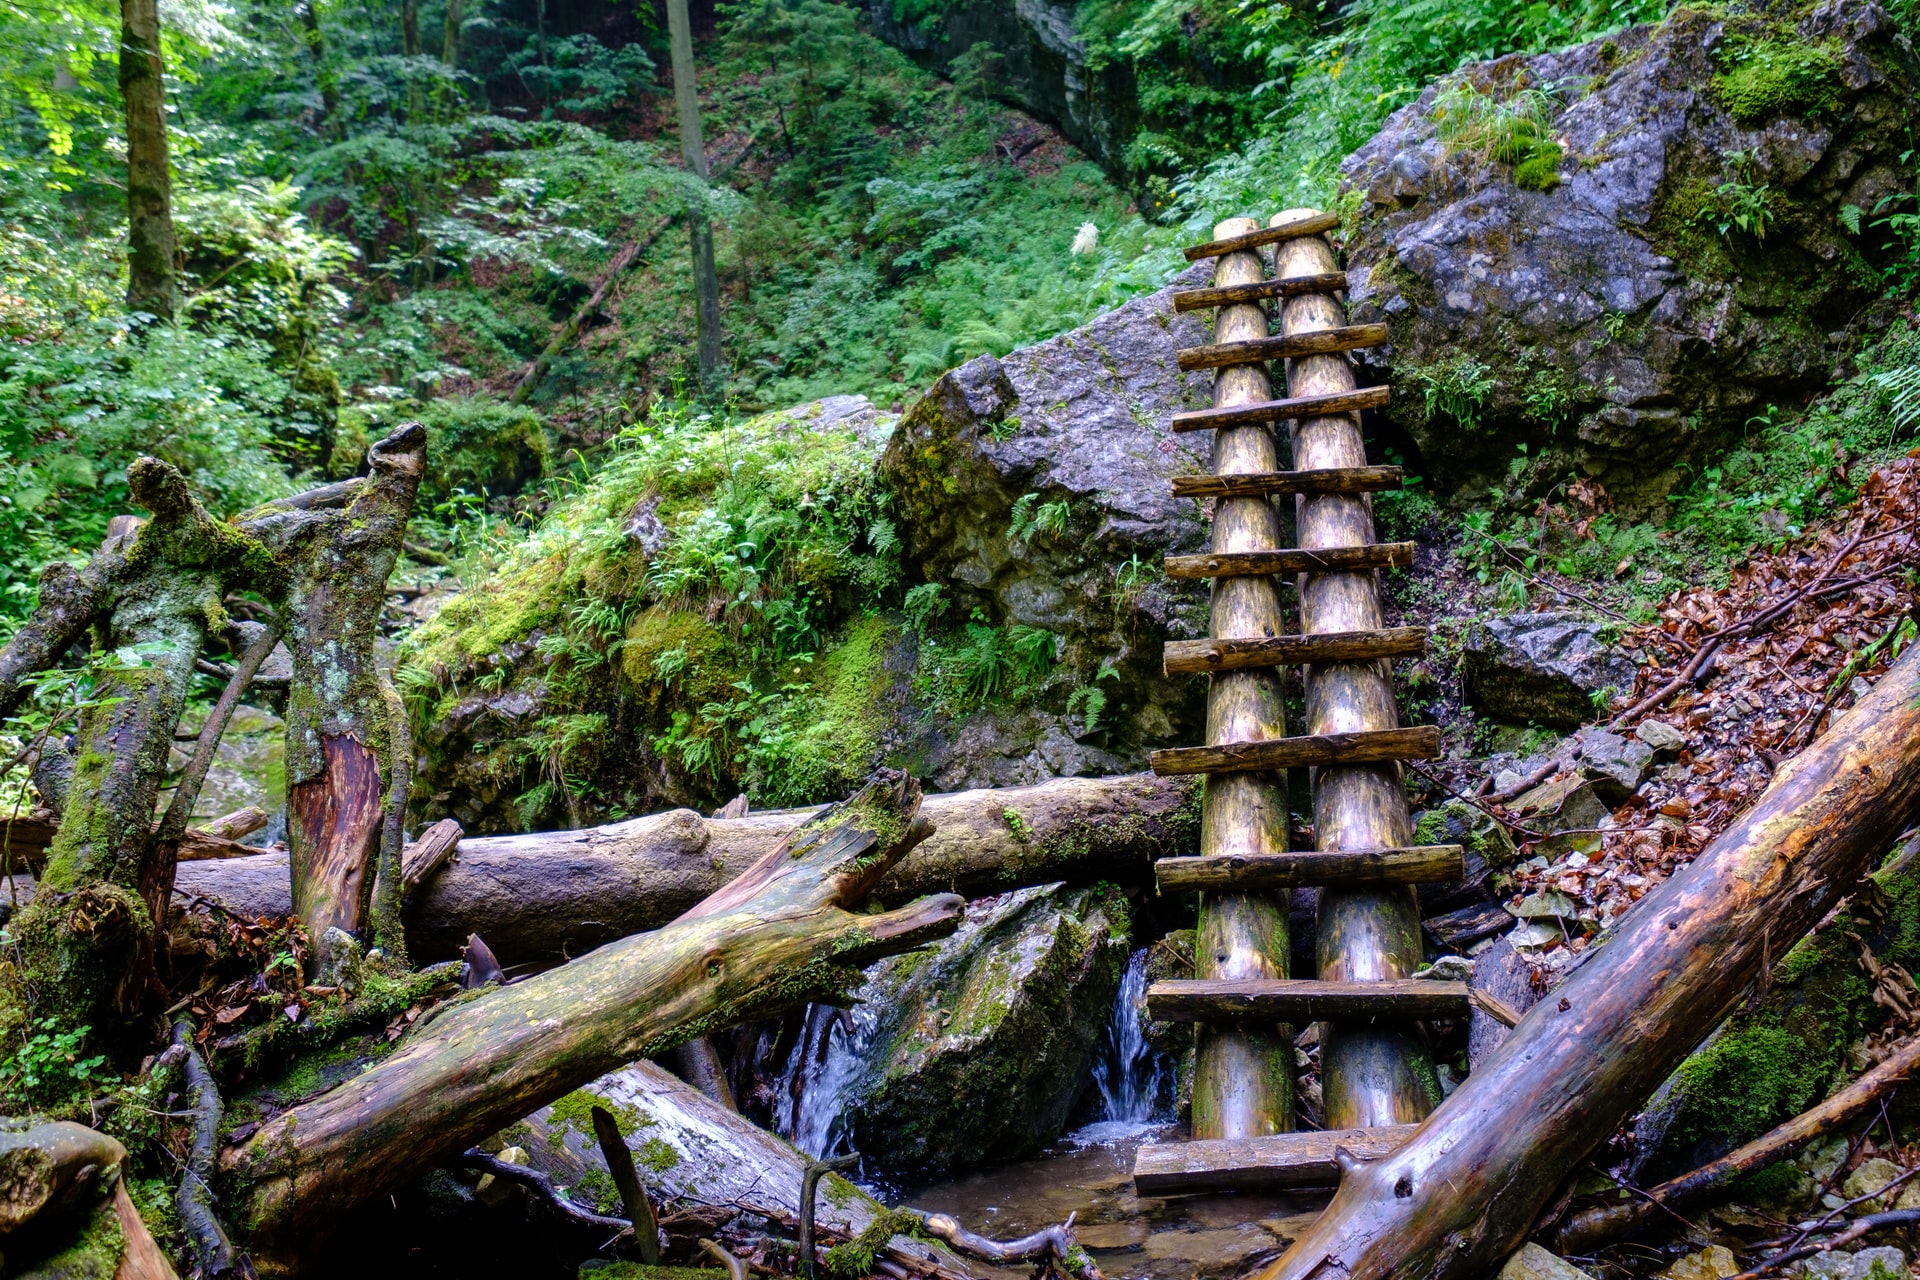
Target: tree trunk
x: 322, y: 75
x: 1243, y: 1075
x: 153, y: 278
x: 1467, y: 1186
x: 338, y: 714
x: 693, y: 149
x: 86, y: 941
x: 780, y: 934
x: 410, y: 46
x: 563, y: 892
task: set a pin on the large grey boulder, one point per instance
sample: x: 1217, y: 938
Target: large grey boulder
x: 1541, y: 668
x: 981, y: 1044
x: 1079, y: 420
x: 1607, y: 322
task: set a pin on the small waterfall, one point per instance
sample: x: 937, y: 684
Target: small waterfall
x: 825, y: 1064
x: 1131, y: 1077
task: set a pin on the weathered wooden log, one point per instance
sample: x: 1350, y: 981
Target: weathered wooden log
x: 47, y: 1169
x: 1371, y: 1074
x: 1466, y: 1188
x: 1264, y: 411
x: 1325, y: 480
x: 1591, y: 1228
x: 1184, y: 656
x: 1286, y: 226
x: 1219, y: 355
x: 1421, y: 864
x: 429, y: 853
x: 780, y: 934
x: 563, y: 892
x: 1310, y: 1159
x: 1257, y: 291
x: 1304, y: 1000
x: 1243, y: 1075
x: 1325, y: 750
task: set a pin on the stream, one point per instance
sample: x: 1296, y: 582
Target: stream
x: 1087, y: 1172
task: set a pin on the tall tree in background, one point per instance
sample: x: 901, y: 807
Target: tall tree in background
x: 410, y: 46
x: 693, y: 146
x: 153, y: 280
x: 322, y: 73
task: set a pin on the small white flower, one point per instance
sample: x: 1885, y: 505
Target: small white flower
x: 1087, y: 239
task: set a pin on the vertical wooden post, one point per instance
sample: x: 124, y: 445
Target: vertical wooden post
x: 1243, y: 1076
x: 1377, y: 1073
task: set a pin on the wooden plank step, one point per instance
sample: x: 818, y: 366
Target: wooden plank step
x: 1304, y: 1000
x: 1248, y: 1164
x: 1180, y: 657
x: 1250, y: 564
x: 1370, y: 747
x: 1246, y: 415
x: 1415, y: 864
x: 1258, y: 484
x: 1283, y: 347
x: 1310, y: 225
x: 1259, y: 291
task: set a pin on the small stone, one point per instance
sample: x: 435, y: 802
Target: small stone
x: 1448, y: 969
x: 1541, y: 668
x: 1112, y: 1235
x: 1614, y: 765
x: 1566, y: 803
x: 1871, y: 1177
x: 1884, y: 1263
x: 1534, y: 1263
x: 1715, y: 1262
x: 1661, y: 736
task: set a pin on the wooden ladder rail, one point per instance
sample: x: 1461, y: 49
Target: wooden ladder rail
x: 1378, y: 1072
x: 1243, y: 1075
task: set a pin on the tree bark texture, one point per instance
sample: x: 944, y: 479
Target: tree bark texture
x: 562, y: 893
x: 693, y: 150
x: 339, y: 718
x: 780, y: 934
x: 323, y: 78
x: 1466, y: 1188
x: 1372, y: 1073
x: 86, y: 941
x: 1243, y: 1075
x: 153, y: 276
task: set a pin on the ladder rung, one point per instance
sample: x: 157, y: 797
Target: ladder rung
x: 1373, y: 746
x: 1258, y: 484
x: 1312, y: 224
x: 1259, y: 291
x: 1244, y: 415
x: 1246, y: 1164
x: 1186, y: 656
x: 1283, y: 346
x: 1417, y: 864
x: 1304, y: 1000
x: 1251, y: 564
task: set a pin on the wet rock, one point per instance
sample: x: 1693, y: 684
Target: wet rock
x: 1885, y: 1263
x: 1715, y: 1262
x: 1221, y: 1252
x: 1661, y: 736
x: 983, y: 1042
x: 1605, y: 321
x: 1541, y: 668
x: 1534, y: 1263
x: 1502, y: 972
x: 1566, y: 803
x: 1075, y: 424
x: 1613, y: 765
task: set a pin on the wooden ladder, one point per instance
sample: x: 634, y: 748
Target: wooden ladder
x: 1377, y: 1075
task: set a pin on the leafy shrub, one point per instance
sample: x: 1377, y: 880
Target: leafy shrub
x: 1456, y: 388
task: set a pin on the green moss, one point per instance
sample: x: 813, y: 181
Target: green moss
x: 1775, y: 1182
x: 481, y: 446
x: 575, y: 1111
x: 595, y: 1189
x: 1540, y: 170
x: 1776, y: 74
x: 641, y: 1271
x: 657, y: 1155
x: 854, y: 1259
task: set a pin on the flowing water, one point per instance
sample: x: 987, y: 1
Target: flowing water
x: 1087, y: 1173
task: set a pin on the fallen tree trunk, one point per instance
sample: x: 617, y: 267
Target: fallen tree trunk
x: 779, y: 935
x: 565, y: 892
x: 1467, y: 1186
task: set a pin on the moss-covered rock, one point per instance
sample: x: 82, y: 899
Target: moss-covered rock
x: 1683, y: 263
x: 982, y: 1043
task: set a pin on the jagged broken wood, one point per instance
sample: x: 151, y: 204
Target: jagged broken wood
x: 562, y: 892
x: 1469, y: 1184
x: 782, y: 933
x: 1053, y: 1247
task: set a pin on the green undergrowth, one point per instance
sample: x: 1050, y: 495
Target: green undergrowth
x: 1786, y: 471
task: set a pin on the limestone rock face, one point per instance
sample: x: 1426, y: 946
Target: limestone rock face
x: 1608, y: 322
x: 1541, y: 668
x: 984, y: 1041
x: 1076, y: 424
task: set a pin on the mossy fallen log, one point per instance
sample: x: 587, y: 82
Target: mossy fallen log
x: 780, y: 934
x: 560, y: 892
x: 1467, y: 1186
